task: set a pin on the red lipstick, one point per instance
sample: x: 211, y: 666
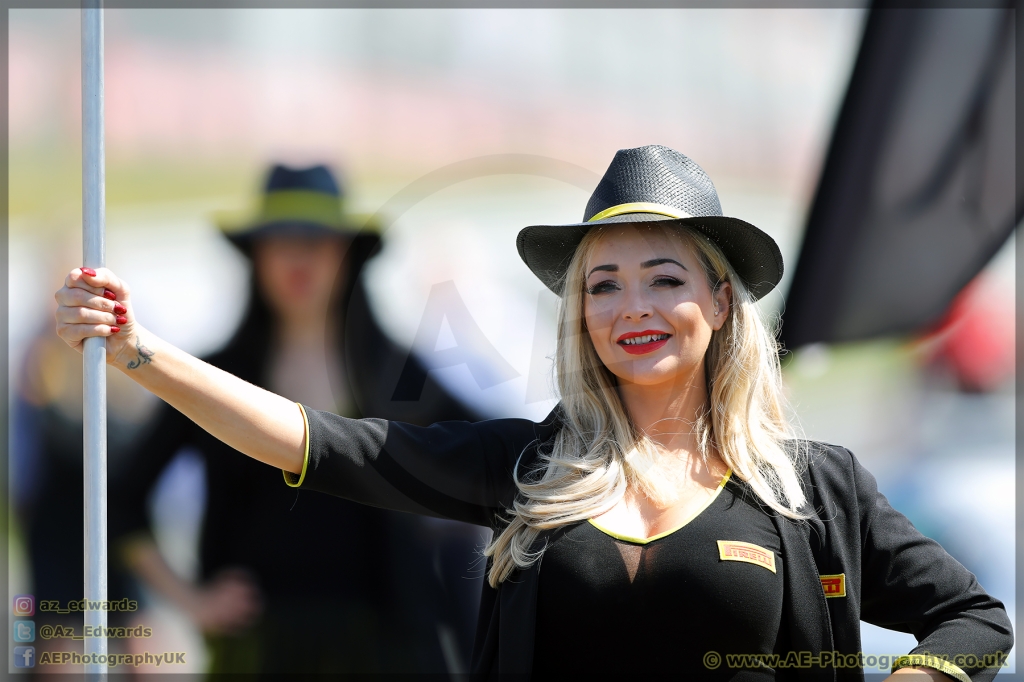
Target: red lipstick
x: 655, y: 340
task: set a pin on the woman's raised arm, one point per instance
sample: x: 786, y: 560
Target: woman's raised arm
x: 255, y: 422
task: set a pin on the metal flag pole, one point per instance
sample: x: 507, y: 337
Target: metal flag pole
x: 94, y: 360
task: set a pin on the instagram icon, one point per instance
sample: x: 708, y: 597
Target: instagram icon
x: 24, y: 605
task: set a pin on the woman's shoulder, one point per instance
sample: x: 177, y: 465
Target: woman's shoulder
x: 820, y: 455
x: 830, y: 470
x: 509, y: 435
x: 523, y: 431
x: 552, y: 422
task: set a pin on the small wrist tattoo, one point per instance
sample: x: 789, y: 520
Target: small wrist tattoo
x: 144, y: 355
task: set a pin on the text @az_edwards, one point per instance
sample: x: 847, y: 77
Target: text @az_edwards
x: 93, y: 631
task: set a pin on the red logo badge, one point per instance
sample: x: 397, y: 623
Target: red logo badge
x: 734, y: 550
x: 834, y: 585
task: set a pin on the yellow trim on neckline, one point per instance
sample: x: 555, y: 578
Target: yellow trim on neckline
x: 640, y: 207
x: 289, y: 476
x: 644, y: 541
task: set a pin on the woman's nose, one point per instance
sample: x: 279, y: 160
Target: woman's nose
x: 636, y: 305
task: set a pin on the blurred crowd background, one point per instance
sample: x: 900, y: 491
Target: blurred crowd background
x: 455, y: 129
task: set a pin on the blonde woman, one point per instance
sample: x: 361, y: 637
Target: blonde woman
x: 680, y: 526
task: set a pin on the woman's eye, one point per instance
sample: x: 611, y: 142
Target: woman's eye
x: 601, y: 287
x: 666, y: 281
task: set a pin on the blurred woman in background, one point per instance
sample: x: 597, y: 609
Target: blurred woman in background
x: 274, y: 595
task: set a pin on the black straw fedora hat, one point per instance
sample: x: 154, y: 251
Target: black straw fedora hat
x: 655, y: 183
x: 296, y: 201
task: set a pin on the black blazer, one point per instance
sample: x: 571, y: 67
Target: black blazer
x: 894, y: 576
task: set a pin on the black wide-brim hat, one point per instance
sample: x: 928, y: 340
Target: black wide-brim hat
x: 298, y: 202
x: 655, y: 183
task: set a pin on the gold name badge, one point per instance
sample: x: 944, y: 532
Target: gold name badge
x: 834, y: 585
x: 734, y: 550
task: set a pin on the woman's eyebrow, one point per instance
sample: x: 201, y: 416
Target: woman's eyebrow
x: 606, y: 268
x: 660, y: 261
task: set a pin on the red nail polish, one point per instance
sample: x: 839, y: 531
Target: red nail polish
x: 114, y: 329
x: 88, y: 271
x: 107, y: 293
x: 121, y: 319
x: 119, y: 309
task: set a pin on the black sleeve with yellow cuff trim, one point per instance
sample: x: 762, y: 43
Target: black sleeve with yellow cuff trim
x: 455, y: 470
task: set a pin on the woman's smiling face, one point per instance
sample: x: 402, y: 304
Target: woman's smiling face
x: 647, y: 304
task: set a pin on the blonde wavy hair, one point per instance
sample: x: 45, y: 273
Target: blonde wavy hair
x: 598, y: 452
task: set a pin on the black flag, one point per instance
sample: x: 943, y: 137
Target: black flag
x: 918, y: 190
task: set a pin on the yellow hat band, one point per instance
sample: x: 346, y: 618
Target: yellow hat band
x: 640, y: 207
x: 296, y: 206
x: 301, y: 205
